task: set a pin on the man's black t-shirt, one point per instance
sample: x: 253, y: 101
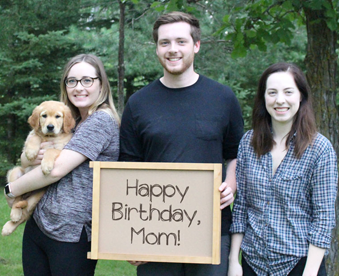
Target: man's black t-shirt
x: 201, y: 123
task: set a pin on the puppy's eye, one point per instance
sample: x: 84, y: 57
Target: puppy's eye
x: 57, y: 116
x: 44, y: 116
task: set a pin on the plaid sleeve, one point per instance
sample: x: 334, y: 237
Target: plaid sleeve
x: 239, y: 214
x: 324, y: 186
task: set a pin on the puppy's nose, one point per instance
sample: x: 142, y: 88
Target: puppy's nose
x: 50, y: 127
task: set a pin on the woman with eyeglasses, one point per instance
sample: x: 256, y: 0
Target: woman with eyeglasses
x: 287, y: 177
x: 57, y: 237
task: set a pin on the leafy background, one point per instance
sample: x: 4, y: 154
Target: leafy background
x: 240, y: 38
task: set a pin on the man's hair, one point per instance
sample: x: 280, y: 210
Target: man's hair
x: 303, y: 122
x: 174, y: 17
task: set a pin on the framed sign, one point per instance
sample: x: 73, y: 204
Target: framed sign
x: 160, y: 212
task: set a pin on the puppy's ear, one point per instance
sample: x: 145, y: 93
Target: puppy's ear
x: 69, y: 121
x: 33, y: 120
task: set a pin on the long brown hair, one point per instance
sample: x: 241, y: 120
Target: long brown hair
x: 105, y: 99
x: 303, y: 123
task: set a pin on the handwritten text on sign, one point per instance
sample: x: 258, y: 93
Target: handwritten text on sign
x: 156, y: 212
x: 149, y: 212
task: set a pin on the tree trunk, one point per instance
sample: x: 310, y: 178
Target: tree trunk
x: 321, y: 64
x: 121, y: 65
x: 129, y: 87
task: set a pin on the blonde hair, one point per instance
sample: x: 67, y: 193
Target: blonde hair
x: 105, y: 99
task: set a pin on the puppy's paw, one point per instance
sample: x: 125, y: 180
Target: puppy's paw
x: 31, y: 153
x: 46, y: 167
x: 14, y: 174
x: 7, y: 229
x: 16, y: 214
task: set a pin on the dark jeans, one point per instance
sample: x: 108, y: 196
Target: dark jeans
x: 179, y: 269
x: 43, y: 256
x: 296, y: 271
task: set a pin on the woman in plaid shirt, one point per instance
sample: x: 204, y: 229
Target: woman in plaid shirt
x: 287, y: 178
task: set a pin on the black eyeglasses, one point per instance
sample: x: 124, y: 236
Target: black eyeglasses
x: 85, y: 82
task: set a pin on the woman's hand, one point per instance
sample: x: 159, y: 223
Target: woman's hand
x: 315, y: 256
x: 234, y: 269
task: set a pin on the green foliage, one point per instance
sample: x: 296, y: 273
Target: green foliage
x: 10, y: 247
x: 36, y: 46
x: 33, y: 49
x: 23, y: 108
x: 140, y: 61
x: 245, y: 97
x: 174, y: 5
x: 240, y: 39
x: 261, y: 22
x: 255, y: 25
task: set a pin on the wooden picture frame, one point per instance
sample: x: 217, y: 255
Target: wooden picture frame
x: 160, y: 212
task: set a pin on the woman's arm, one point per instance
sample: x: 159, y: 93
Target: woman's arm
x: 314, y: 257
x: 239, y: 213
x: 324, y: 193
x: 35, y: 179
x: 234, y: 267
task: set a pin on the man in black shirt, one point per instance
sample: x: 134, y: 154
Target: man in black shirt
x: 184, y: 117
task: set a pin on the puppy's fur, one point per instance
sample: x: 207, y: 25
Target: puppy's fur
x: 51, y: 121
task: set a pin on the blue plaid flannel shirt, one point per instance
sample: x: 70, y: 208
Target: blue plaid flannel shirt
x: 281, y: 214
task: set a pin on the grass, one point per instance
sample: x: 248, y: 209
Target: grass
x: 10, y: 252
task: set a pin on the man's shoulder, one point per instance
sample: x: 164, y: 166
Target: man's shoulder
x: 146, y: 90
x: 213, y: 84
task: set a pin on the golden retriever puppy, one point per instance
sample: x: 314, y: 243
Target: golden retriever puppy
x: 51, y: 121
